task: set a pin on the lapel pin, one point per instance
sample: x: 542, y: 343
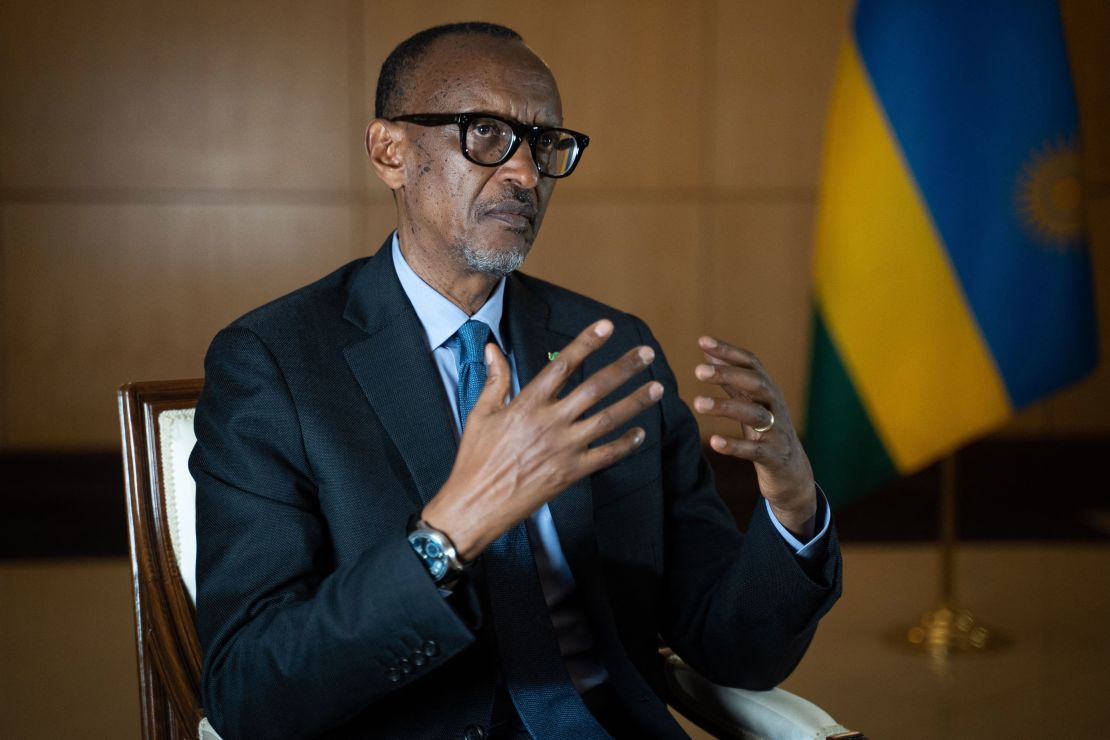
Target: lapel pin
x: 551, y: 356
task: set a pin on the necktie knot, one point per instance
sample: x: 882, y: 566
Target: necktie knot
x: 473, y: 337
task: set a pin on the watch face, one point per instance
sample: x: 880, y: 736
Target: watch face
x: 431, y: 552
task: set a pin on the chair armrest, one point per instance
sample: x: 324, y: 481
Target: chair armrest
x: 748, y: 715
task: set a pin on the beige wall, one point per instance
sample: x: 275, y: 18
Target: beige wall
x: 165, y: 167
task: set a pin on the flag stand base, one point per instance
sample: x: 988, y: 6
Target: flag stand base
x: 949, y: 629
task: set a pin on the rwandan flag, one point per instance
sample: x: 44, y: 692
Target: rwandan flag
x: 951, y: 280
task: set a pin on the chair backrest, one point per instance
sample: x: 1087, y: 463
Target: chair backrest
x: 156, y: 419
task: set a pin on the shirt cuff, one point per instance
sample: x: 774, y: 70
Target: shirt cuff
x: 811, y: 549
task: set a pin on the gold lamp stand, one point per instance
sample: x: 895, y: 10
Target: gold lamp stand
x: 949, y: 629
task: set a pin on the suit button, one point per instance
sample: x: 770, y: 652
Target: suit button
x: 405, y: 666
x: 419, y: 659
x: 431, y: 649
x: 393, y: 675
x: 474, y: 732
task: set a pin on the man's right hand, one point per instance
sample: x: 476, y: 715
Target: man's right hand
x: 514, y: 457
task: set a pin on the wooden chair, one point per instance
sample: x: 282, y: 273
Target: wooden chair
x: 156, y: 419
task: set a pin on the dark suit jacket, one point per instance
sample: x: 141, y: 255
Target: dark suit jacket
x: 323, y: 426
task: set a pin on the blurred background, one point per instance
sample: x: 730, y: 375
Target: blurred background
x: 167, y: 166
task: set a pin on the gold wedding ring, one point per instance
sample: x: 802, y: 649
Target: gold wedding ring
x: 767, y: 428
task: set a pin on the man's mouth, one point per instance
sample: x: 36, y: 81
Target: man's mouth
x: 515, y: 214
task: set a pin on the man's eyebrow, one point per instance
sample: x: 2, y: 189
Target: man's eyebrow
x: 491, y: 114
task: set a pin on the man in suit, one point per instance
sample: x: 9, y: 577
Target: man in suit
x: 438, y: 498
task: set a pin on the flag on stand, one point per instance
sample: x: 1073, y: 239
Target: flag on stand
x: 951, y: 280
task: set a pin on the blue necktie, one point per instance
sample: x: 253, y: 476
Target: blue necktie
x: 538, y: 682
x: 473, y: 337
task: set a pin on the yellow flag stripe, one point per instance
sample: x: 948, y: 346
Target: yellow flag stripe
x: 888, y: 293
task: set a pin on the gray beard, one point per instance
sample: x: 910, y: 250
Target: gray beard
x: 494, y: 261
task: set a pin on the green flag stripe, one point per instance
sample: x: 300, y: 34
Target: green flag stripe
x: 849, y: 460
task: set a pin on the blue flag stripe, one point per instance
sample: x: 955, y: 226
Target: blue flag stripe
x: 973, y: 92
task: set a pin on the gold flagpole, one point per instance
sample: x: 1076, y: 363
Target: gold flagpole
x: 949, y: 629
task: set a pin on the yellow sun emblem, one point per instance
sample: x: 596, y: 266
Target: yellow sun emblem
x: 1050, y: 195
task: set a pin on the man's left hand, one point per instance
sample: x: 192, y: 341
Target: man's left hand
x: 755, y: 401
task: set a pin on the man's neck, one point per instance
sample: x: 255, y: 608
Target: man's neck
x: 467, y: 289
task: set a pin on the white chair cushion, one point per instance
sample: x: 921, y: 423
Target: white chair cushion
x: 177, y: 439
x: 175, y: 430
x: 206, y: 731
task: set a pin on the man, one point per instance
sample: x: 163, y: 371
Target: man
x: 437, y: 498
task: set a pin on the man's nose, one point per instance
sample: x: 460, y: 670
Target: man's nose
x: 521, y: 168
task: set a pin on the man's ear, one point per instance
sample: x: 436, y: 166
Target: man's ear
x: 383, y: 146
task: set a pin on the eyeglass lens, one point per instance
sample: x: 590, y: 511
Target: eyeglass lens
x: 488, y: 141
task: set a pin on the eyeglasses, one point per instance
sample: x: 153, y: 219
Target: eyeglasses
x: 490, y: 140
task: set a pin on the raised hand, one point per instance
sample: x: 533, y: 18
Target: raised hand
x: 765, y: 435
x: 514, y: 457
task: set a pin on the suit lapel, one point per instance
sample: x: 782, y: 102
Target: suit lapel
x: 394, y: 367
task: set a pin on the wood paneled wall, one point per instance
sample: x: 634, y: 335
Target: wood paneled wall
x: 166, y: 166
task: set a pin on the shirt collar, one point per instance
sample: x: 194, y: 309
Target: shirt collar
x: 440, y: 317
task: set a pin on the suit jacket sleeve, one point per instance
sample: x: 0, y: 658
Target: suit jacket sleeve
x: 738, y: 607
x: 292, y: 644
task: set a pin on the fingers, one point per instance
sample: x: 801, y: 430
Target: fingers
x: 753, y: 400
x: 728, y: 353
x: 748, y: 413
x: 615, y: 415
x: 755, y: 451
x: 548, y: 382
x: 738, y: 381
x: 603, y: 456
x: 606, y: 380
x: 736, y: 370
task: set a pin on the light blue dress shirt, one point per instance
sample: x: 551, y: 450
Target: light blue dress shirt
x: 441, y: 319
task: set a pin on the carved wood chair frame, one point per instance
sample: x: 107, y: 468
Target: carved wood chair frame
x: 168, y: 649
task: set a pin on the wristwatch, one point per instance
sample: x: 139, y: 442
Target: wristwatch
x: 436, y: 551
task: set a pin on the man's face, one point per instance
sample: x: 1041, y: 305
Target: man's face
x: 483, y: 218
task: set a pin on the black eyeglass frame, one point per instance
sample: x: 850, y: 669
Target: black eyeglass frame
x: 521, y: 132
